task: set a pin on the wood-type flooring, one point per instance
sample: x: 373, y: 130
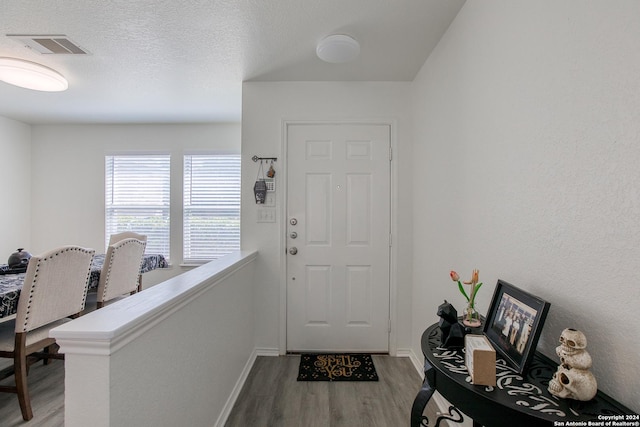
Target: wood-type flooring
x: 270, y: 397
x: 46, y: 388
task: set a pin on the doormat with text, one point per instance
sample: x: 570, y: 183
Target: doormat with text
x: 337, y: 367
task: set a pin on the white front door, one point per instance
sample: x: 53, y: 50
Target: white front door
x: 338, y: 237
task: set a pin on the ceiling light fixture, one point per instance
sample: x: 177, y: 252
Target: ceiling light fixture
x: 338, y: 48
x: 30, y: 75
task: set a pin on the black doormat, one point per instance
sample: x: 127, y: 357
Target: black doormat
x: 337, y: 367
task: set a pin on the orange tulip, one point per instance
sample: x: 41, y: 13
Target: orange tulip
x: 472, y: 295
x: 474, y: 278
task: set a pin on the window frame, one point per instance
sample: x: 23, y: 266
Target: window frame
x: 163, y: 206
x: 230, y: 209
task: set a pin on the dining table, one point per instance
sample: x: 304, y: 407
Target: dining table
x: 11, y: 283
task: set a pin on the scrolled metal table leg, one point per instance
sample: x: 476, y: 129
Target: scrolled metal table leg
x: 453, y: 412
x: 423, y: 397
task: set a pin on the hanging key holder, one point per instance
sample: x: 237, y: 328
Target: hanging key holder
x: 271, y: 172
x: 260, y: 187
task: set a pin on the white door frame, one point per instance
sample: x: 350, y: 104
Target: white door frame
x: 393, y: 285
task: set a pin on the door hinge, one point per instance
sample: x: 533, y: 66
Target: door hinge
x: 390, y: 240
x: 389, y: 326
x: 390, y: 154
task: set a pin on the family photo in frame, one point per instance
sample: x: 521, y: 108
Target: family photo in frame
x: 514, y: 323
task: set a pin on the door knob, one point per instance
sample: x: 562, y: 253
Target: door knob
x: 293, y: 250
x: 293, y: 235
x: 293, y: 221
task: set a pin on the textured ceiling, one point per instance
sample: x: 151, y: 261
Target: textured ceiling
x: 177, y: 61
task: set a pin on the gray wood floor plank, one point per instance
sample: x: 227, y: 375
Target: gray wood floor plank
x: 46, y: 388
x: 384, y: 403
x: 271, y: 397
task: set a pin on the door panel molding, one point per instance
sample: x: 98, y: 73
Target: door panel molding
x: 347, y: 225
x: 282, y: 225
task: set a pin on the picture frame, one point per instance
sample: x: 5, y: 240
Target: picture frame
x: 514, y: 322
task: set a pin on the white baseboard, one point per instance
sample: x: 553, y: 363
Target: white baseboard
x: 418, y: 362
x: 442, y: 403
x: 228, y: 406
x: 267, y: 351
x: 443, y: 408
x: 403, y: 352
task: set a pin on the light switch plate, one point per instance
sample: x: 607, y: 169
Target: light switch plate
x: 266, y: 215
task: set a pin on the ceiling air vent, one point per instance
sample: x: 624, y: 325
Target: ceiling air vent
x: 58, y: 44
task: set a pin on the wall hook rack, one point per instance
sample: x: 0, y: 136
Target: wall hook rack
x: 256, y: 158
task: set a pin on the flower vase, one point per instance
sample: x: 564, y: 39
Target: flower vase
x: 471, y: 317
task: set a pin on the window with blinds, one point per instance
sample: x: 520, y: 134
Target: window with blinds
x: 137, y: 198
x: 211, y: 206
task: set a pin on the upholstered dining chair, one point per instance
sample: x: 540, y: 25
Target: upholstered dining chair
x: 121, y: 270
x: 115, y: 238
x: 54, y: 290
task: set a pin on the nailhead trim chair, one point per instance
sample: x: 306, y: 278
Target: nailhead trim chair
x: 121, y: 270
x: 54, y: 290
x: 115, y: 238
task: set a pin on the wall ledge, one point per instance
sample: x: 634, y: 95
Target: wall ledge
x: 105, y: 331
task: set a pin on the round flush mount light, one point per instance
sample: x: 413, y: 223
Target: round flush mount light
x: 30, y: 75
x: 338, y: 48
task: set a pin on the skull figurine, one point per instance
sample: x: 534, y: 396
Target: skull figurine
x: 578, y: 384
x: 572, y: 379
x: 572, y: 340
x: 572, y: 349
x: 574, y: 359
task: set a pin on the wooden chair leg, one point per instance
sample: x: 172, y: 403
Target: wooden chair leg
x: 50, y: 352
x: 21, y: 364
x: 47, y: 350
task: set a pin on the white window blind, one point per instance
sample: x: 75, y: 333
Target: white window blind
x: 137, y: 198
x: 211, y: 206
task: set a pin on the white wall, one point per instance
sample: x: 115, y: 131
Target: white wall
x: 15, y: 176
x: 68, y: 177
x: 526, y: 166
x: 265, y: 108
x: 173, y: 355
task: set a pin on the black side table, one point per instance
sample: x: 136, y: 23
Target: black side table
x: 516, y: 400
